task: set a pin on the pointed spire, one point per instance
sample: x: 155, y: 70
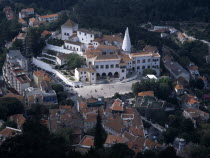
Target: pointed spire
x: 126, y: 42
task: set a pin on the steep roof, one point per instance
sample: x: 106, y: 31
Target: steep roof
x: 69, y: 23
x: 146, y: 93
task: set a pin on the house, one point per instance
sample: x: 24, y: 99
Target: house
x: 15, y: 71
x: 179, y: 89
x: 74, y: 46
x: 189, y: 101
x: 61, y: 58
x: 44, y: 95
x: 48, y: 18
x: 115, y: 125
x: 195, y: 115
x: 87, y: 142
x: 147, y: 100
x: 40, y: 76
x: 22, y: 21
x: 25, y: 13
x: 175, y: 69
x: 68, y: 29
x: 33, y: 22
x: 111, y: 140
x: 117, y: 106
x: 181, y: 37
x: 19, y: 119
x: 193, y: 69
x: 8, y: 132
x: 45, y: 33
x: 85, y: 75
x: 64, y: 117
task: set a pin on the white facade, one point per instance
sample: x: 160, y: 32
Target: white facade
x: 85, y: 75
x: 48, y: 18
x: 68, y: 29
x: 15, y: 71
x: 73, y: 46
x: 126, y: 42
x: 143, y: 61
x: 85, y: 36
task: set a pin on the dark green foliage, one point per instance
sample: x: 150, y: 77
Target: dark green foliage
x: 67, y: 102
x: 120, y: 151
x: 10, y: 106
x: 149, y: 71
x: 38, y: 111
x: 75, y: 61
x: 57, y: 88
x: 34, y: 42
x: 66, y: 134
x: 61, y: 96
x: 100, y: 134
x: 55, y: 42
x: 160, y: 87
x: 169, y: 152
x: 117, y: 95
x: 170, y: 135
x: 9, y: 124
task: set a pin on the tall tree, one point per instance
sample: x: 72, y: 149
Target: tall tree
x: 100, y: 134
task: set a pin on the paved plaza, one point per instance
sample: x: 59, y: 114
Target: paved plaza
x: 104, y: 90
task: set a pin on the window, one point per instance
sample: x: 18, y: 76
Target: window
x: 92, y: 78
x: 82, y: 39
x: 133, y: 62
x: 143, y: 67
x: 84, y: 72
x: 81, y: 72
x: 143, y: 61
x: 138, y: 67
x: 123, y: 70
x: 112, y: 66
x: 96, y: 66
x: 92, y: 73
x: 102, y: 66
x: 64, y: 33
x: 148, y: 60
x: 77, y: 49
x: 85, y: 34
x: 80, y: 33
x: 91, y: 35
x: 117, y: 65
x: 107, y: 66
x: 148, y: 67
x: 67, y: 34
x: 138, y: 61
x: 91, y: 40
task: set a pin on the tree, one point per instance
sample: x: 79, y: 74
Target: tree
x: 57, y: 88
x: 149, y: 71
x: 116, y: 95
x: 149, y: 154
x: 75, y: 61
x: 187, y: 125
x: 9, y: 124
x: 199, y: 83
x: 10, y: 106
x: 66, y: 134
x: 170, y: 134
x: 168, y: 152
x: 67, y: 102
x: 100, y: 134
x: 120, y: 151
x: 61, y: 96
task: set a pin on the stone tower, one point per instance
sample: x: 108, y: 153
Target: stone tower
x: 126, y: 42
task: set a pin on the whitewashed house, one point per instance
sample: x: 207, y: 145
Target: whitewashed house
x: 68, y: 29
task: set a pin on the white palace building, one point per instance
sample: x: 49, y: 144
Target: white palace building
x: 107, y: 55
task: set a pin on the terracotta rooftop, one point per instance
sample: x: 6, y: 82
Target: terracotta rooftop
x: 86, y: 70
x: 193, y: 68
x: 195, y: 113
x: 117, y: 105
x: 19, y: 119
x: 146, y: 93
x: 137, y: 131
x: 87, y: 141
x: 48, y: 16
x: 39, y: 73
x: 179, y: 87
x: 11, y: 95
x: 111, y: 139
x: 107, y: 47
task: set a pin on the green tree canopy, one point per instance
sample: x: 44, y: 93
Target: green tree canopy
x: 75, y: 61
